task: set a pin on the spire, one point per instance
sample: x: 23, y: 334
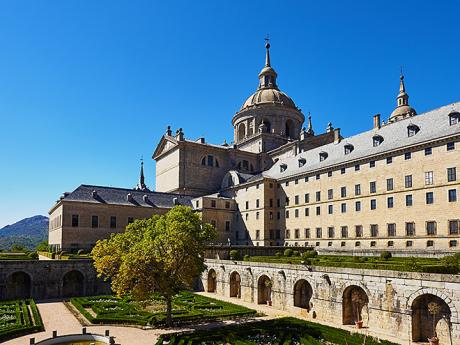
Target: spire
x: 267, y: 76
x: 267, y: 54
x: 403, y: 109
x: 141, y: 185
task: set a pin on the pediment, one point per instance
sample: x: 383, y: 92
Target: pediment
x: 165, y: 145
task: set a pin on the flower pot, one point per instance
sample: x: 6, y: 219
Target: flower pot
x: 433, y: 341
x: 359, y: 324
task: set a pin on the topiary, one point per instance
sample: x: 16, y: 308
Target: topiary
x: 234, y: 254
x: 310, y: 254
x: 278, y: 254
x: 296, y: 253
x: 385, y: 255
x: 32, y: 255
x: 246, y: 257
x: 81, y: 252
x: 288, y: 252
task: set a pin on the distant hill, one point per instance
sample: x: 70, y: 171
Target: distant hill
x: 28, y: 232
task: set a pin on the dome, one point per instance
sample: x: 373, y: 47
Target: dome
x: 268, y: 96
x: 402, y: 112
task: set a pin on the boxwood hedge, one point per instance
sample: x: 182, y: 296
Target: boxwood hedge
x: 19, y: 318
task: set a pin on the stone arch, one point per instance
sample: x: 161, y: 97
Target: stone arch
x: 212, y: 280
x: 73, y: 284
x: 241, y: 131
x: 303, y: 293
x: 426, y: 324
x: 264, y: 289
x: 431, y: 291
x: 354, y: 299
x: 289, y: 128
x: 18, y: 285
x: 235, y: 284
x: 267, y: 126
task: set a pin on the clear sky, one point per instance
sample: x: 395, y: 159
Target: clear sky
x: 88, y: 87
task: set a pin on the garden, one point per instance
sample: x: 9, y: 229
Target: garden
x: 187, y: 307
x: 19, y: 318
x: 447, y: 264
x: 283, y: 331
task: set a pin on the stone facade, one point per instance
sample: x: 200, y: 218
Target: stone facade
x: 388, y: 302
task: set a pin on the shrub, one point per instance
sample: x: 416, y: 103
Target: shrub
x: 296, y: 253
x: 278, y: 254
x: 310, y: 254
x: 457, y: 256
x: 288, y: 252
x: 81, y: 252
x: 246, y: 257
x: 234, y: 254
x: 33, y: 255
x: 385, y: 255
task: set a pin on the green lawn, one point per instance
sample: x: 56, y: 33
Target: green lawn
x: 19, y: 318
x: 187, y: 307
x: 406, y: 264
x: 16, y: 256
x: 284, y: 331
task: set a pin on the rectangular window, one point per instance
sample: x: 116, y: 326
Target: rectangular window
x: 389, y: 184
x: 130, y: 220
x: 286, y: 201
x: 307, y: 198
x: 429, y: 196
x: 318, y: 196
x: 318, y: 210
x: 307, y: 233
x: 329, y: 173
x: 287, y: 214
x: 408, y: 181
x: 271, y: 234
x: 409, y: 200
x: 227, y: 204
x: 372, y: 164
x: 428, y: 151
x: 296, y: 181
x: 271, y: 215
x: 319, y: 232
x: 258, y: 234
x: 330, y: 194
x: 453, y: 227
x: 454, y: 119
x: 374, y: 230
x: 296, y: 213
x: 428, y: 178
x: 307, y: 211
x: 278, y: 203
x: 343, y: 207
x: 357, y: 167
x: 452, y: 195
x: 357, y: 189
x: 358, y: 206
x: 94, y: 221
x: 410, y: 229
x: 390, y: 202
x: 389, y: 160
x: 227, y: 225
x: 373, y: 187
x: 391, y: 227
x: 409, y: 243
x: 343, y: 192
x: 318, y: 176
x: 296, y: 233
x: 330, y: 209
x: 359, y: 230
x: 278, y: 234
x: 451, y: 174
x: 407, y: 156
x: 373, y: 204
x: 431, y: 228
x: 257, y: 203
x: 247, y: 205
x: 278, y: 215
x: 213, y: 203
x: 270, y: 202
x: 296, y: 199
x: 342, y: 171
x: 74, y: 220
x: 113, y: 222
x: 306, y: 179
x: 330, y: 232
x: 450, y: 146
x: 344, y: 231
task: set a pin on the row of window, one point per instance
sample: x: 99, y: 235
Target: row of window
x: 408, y: 244
x: 430, y: 230
x: 95, y: 223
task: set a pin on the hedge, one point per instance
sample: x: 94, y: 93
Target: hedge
x: 23, y: 322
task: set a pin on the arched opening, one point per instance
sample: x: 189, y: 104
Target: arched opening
x: 241, y: 131
x: 267, y: 126
x: 18, y: 286
x: 289, y: 129
x: 430, y: 317
x: 264, y: 290
x: 235, y: 285
x: 212, y: 280
x: 302, y: 294
x: 73, y: 284
x: 353, y: 302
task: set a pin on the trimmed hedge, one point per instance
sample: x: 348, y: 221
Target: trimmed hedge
x: 187, y: 307
x: 287, y: 330
x: 15, y: 319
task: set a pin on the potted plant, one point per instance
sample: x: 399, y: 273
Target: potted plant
x: 434, y: 309
x: 358, y: 303
x: 268, y: 285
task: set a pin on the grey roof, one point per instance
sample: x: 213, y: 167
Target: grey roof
x: 433, y: 125
x: 119, y: 196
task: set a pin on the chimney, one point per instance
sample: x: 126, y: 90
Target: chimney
x: 336, y: 135
x: 377, y: 121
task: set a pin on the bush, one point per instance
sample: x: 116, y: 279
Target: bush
x: 385, y: 255
x: 81, y: 252
x: 310, y: 254
x: 457, y: 256
x: 278, y: 254
x: 288, y: 252
x: 296, y: 253
x: 33, y: 255
x: 234, y: 254
x: 246, y: 257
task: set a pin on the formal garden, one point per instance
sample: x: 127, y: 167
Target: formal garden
x: 19, y: 318
x: 187, y: 307
x: 447, y: 264
x: 283, y: 331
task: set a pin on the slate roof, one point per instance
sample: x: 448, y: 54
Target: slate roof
x: 118, y: 196
x: 433, y: 125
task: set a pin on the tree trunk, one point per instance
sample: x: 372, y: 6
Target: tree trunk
x: 169, y: 311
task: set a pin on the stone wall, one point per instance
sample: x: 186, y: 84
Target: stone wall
x: 49, y: 279
x: 223, y: 252
x: 388, y: 302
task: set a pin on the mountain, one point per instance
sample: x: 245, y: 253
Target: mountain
x: 28, y: 232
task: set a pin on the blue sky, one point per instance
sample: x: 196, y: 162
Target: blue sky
x: 88, y: 87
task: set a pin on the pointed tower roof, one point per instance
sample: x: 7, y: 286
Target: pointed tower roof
x: 403, y: 109
x: 141, y: 185
x: 310, y: 126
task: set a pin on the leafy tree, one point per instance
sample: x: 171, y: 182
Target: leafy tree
x: 162, y: 254
x: 42, y: 247
x: 17, y: 248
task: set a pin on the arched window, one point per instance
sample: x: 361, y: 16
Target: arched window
x: 454, y: 118
x: 217, y: 163
x: 348, y: 148
x: 283, y: 167
x: 377, y: 140
x: 267, y: 126
x: 289, y: 129
x: 302, y: 162
x: 241, y: 131
x: 412, y: 130
x: 203, y: 161
x: 322, y: 156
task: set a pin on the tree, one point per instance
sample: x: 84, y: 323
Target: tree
x: 162, y: 254
x: 42, y: 246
